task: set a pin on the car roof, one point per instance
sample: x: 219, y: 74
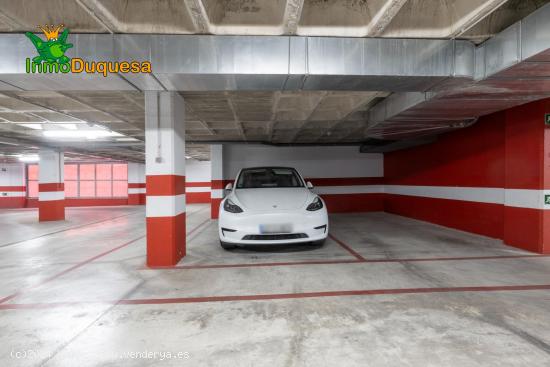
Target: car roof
x: 278, y: 167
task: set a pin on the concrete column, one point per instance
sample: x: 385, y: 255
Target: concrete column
x: 165, y: 177
x: 136, y: 183
x: 527, y: 177
x: 217, y: 182
x: 51, y: 188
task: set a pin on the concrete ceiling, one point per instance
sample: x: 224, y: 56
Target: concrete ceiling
x: 279, y: 117
x: 475, y: 20
x: 291, y: 117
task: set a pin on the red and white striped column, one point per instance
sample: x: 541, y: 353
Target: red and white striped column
x: 216, y: 180
x: 51, y: 189
x: 165, y: 177
x: 136, y: 183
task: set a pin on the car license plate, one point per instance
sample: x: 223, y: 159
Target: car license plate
x: 275, y: 228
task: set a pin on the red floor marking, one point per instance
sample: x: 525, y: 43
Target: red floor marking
x: 67, y: 229
x: 259, y: 297
x: 347, y: 248
x: 197, y: 211
x: 420, y: 259
x: 76, y: 266
x: 253, y: 265
x: 325, y: 262
x: 197, y: 227
x: 370, y: 292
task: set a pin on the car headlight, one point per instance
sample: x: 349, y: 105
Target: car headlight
x: 315, y: 205
x: 231, y: 207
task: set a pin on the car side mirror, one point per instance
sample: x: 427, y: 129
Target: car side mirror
x: 309, y: 185
x: 229, y: 187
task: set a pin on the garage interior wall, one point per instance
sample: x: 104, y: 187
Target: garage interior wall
x: 347, y: 180
x: 12, y: 185
x: 197, y: 182
x: 490, y: 179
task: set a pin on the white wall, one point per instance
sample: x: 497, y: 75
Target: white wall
x: 136, y: 172
x: 197, y: 171
x: 12, y: 174
x: 311, y: 162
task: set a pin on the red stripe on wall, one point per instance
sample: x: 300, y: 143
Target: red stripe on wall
x: 136, y: 185
x: 219, y: 184
x: 76, y: 202
x: 346, y: 181
x: 50, y: 187
x: 12, y: 202
x: 481, y: 218
x: 13, y: 188
x: 165, y: 185
x: 345, y: 203
x: 165, y: 240
x: 197, y: 184
x: 524, y: 229
x: 197, y: 197
x: 525, y: 149
x: 472, y: 157
x: 134, y: 199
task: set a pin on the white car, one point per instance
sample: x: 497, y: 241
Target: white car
x: 271, y: 205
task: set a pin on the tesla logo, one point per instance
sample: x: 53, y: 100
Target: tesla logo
x: 274, y: 206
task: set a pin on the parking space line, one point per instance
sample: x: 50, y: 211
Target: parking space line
x: 426, y: 259
x: 277, y: 296
x: 198, y: 226
x: 329, y: 262
x: 68, y: 270
x: 253, y: 265
x: 347, y: 248
x: 66, y: 229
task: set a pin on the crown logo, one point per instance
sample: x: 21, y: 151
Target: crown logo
x: 51, y: 32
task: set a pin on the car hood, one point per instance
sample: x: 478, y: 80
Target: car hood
x: 283, y: 198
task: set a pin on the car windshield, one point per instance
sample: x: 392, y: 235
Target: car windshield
x: 268, y: 177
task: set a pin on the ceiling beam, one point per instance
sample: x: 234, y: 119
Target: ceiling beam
x: 356, y: 107
x: 470, y: 21
x: 94, y: 108
x: 292, y: 15
x: 100, y: 14
x: 235, y: 116
x: 306, y: 121
x: 384, y: 17
x: 10, y: 21
x: 274, y: 107
x: 198, y: 15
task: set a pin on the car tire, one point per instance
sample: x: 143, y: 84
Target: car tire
x: 319, y: 243
x: 227, y: 246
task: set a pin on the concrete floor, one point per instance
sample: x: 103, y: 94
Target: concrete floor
x: 385, y: 290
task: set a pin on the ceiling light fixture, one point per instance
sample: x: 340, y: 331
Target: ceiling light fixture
x: 79, y: 134
x: 126, y: 139
x: 29, y: 158
x: 64, y: 126
x: 32, y: 126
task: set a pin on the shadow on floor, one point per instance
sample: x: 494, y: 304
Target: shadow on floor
x: 297, y: 247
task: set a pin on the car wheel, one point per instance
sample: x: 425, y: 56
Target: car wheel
x: 227, y: 246
x: 319, y: 243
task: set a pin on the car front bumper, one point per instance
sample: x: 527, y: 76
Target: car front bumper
x: 233, y: 228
